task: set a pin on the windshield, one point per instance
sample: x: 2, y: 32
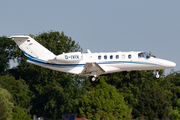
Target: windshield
x: 143, y: 55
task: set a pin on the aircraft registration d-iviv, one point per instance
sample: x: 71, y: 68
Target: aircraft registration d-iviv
x: 89, y: 64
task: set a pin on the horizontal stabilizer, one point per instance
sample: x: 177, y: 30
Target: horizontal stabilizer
x: 19, y: 37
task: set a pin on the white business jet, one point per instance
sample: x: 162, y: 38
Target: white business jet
x: 89, y: 64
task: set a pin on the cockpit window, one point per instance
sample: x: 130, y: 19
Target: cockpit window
x: 143, y: 55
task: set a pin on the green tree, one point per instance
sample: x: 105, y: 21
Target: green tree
x: 149, y: 97
x: 6, y: 105
x: 175, y: 114
x: 18, y: 89
x: 21, y: 114
x: 7, y: 48
x: 172, y: 83
x: 152, y: 102
x: 176, y: 111
x: 103, y: 102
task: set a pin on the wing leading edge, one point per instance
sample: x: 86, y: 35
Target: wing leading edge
x: 92, y: 67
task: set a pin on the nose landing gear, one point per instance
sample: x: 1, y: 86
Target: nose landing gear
x: 94, y: 80
x: 157, y: 74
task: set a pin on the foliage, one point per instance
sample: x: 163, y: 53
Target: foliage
x: 176, y: 111
x: 6, y: 53
x: 103, y: 102
x: 149, y: 97
x: 19, y: 90
x: 172, y: 83
x: 6, y: 105
x: 152, y: 103
x: 21, y: 114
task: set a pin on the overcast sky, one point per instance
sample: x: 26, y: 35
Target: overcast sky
x: 100, y: 25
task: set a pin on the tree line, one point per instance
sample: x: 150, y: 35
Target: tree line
x: 28, y: 89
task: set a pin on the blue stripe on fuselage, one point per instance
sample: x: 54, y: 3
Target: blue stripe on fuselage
x: 40, y: 61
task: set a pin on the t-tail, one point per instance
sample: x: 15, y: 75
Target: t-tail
x: 31, y: 48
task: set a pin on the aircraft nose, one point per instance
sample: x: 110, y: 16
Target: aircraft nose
x: 170, y: 64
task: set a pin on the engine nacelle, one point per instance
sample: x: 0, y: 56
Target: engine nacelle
x: 69, y: 57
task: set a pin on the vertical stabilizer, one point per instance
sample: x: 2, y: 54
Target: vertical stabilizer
x: 32, y: 48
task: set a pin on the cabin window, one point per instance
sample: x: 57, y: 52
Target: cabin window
x: 111, y: 57
x: 123, y: 56
x: 105, y: 57
x: 129, y: 56
x: 117, y: 56
x: 99, y: 57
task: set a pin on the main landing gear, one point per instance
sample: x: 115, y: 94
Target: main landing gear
x: 94, y: 80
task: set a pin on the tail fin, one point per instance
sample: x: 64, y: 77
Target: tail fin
x: 32, y: 48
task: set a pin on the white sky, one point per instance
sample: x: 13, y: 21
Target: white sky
x: 101, y: 26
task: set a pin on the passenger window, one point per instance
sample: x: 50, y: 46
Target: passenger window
x: 117, y: 56
x: 99, y: 57
x: 105, y: 57
x: 129, y: 56
x: 111, y: 57
x: 123, y: 56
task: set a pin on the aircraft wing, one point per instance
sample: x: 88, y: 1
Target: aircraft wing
x: 92, y: 67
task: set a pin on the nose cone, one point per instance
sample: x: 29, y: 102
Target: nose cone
x: 169, y: 64
x: 162, y: 64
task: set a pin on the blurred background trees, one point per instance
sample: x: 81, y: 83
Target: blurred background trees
x: 6, y: 104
